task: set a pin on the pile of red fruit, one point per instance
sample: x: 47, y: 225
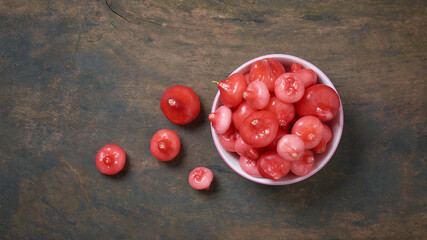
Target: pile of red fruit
x: 275, y: 120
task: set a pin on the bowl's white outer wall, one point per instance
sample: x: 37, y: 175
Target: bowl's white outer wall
x: 336, y: 125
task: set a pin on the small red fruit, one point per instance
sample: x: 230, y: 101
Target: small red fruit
x: 267, y: 71
x: 285, y: 112
x: 221, y: 119
x: 319, y: 100
x: 307, y: 76
x: 295, y: 67
x: 249, y: 166
x: 257, y: 95
x: 231, y: 90
x: 242, y: 112
x: 243, y: 149
x: 272, y: 166
x: 310, y: 130
x: 289, y: 88
x: 165, y: 145
x: 110, y: 159
x: 229, y: 138
x: 303, y: 166
x: 259, y: 129
x: 200, y: 178
x: 180, y: 104
x: 291, y: 147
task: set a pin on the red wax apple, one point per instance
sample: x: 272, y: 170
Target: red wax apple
x: 267, y: 71
x: 180, y: 104
x: 200, y: 178
x: 319, y: 100
x: 259, y: 129
x: 110, y: 159
x: 231, y: 90
x: 165, y: 145
x: 272, y: 166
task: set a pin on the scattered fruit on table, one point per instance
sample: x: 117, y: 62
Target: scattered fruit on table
x: 110, y: 159
x: 165, y: 145
x: 180, y: 104
x: 200, y: 178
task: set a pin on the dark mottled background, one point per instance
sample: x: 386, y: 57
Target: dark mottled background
x: 77, y: 75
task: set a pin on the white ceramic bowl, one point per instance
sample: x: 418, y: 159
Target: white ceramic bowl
x: 336, y: 124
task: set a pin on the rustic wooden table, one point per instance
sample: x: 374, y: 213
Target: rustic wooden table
x: 79, y: 74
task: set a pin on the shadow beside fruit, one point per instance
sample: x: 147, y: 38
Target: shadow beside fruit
x: 178, y: 159
x: 199, y: 121
x: 124, y: 173
x: 213, y: 189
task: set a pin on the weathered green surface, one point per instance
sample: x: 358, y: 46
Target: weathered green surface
x: 77, y: 75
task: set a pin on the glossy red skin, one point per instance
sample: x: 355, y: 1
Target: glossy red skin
x: 272, y: 166
x: 243, y: 149
x: 308, y: 77
x: 327, y: 136
x: 267, y: 71
x: 280, y: 133
x: 309, y: 129
x: 303, y: 166
x: 295, y: 67
x: 228, y: 139
x: 289, y: 88
x: 200, y: 178
x: 165, y: 145
x: 290, y: 147
x: 231, y: 90
x: 243, y: 111
x: 284, y: 112
x: 257, y: 95
x: 110, y: 159
x: 249, y: 166
x: 259, y: 129
x: 180, y: 104
x: 221, y: 119
x: 319, y: 100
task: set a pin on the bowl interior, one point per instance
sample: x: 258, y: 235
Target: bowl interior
x: 336, y: 125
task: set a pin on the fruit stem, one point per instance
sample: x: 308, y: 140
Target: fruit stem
x: 249, y: 94
x: 325, y: 114
x: 216, y: 82
x: 309, y: 160
x: 211, y: 116
x: 254, y: 122
x: 162, y: 145
x: 172, y: 102
x: 107, y: 160
x: 294, y: 155
x: 265, y: 60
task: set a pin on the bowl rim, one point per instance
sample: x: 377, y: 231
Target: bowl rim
x: 330, y: 153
